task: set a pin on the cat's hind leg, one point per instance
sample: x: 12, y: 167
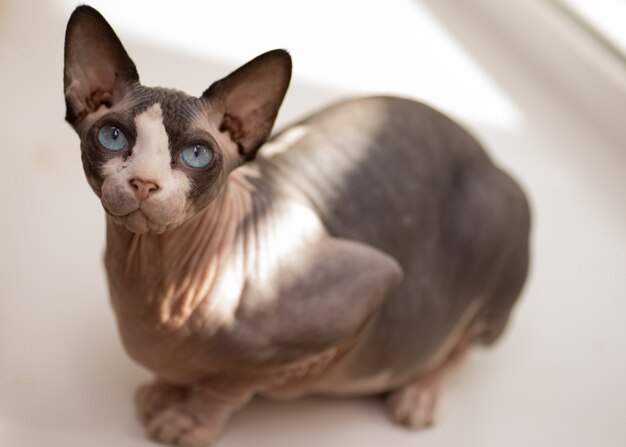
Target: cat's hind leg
x: 414, y: 405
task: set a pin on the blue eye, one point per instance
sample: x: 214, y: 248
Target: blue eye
x: 112, y: 138
x: 196, y: 156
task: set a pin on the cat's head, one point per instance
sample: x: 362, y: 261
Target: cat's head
x: 155, y: 156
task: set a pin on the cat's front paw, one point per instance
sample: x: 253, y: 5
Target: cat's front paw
x: 179, y: 425
x: 152, y: 398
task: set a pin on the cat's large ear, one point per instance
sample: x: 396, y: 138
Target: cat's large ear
x: 248, y: 99
x: 97, y: 70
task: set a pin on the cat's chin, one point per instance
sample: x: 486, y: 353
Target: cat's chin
x: 138, y: 222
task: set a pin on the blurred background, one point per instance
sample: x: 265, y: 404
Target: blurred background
x: 541, y: 82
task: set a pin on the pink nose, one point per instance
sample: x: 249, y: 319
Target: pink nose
x: 143, y: 188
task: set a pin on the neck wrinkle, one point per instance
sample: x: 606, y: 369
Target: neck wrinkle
x: 181, y: 268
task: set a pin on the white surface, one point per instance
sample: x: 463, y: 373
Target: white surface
x: 606, y: 16
x: 557, y: 378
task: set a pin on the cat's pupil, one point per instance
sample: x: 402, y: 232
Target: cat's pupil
x: 196, y: 155
x: 115, y: 133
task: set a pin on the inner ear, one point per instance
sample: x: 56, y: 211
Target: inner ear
x: 97, y: 70
x: 249, y: 98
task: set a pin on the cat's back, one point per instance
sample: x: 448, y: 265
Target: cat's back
x: 374, y: 169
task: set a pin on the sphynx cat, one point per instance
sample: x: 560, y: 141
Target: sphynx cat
x: 361, y: 251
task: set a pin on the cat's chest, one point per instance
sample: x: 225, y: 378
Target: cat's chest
x: 169, y: 327
x: 180, y: 355
x: 180, y: 318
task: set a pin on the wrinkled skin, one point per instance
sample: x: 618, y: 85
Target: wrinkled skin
x: 363, y: 251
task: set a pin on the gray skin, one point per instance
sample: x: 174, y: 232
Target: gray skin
x: 424, y: 192
x: 363, y: 251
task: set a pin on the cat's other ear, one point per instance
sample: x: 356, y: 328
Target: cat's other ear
x: 248, y: 99
x: 97, y: 70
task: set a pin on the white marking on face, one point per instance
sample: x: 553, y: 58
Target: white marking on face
x: 150, y: 161
x: 151, y: 155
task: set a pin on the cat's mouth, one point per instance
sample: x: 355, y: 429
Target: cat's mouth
x: 137, y: 222
x: 155, y: 214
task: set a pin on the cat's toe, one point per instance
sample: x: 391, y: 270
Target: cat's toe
x: 180, y: 426
x: 413, y: 406
x: 152, y: 398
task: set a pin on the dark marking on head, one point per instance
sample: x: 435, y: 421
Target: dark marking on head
x: 101, y: 87
x: 178, y: 113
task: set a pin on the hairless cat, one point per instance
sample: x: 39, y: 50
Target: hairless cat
x: 362, y: 251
